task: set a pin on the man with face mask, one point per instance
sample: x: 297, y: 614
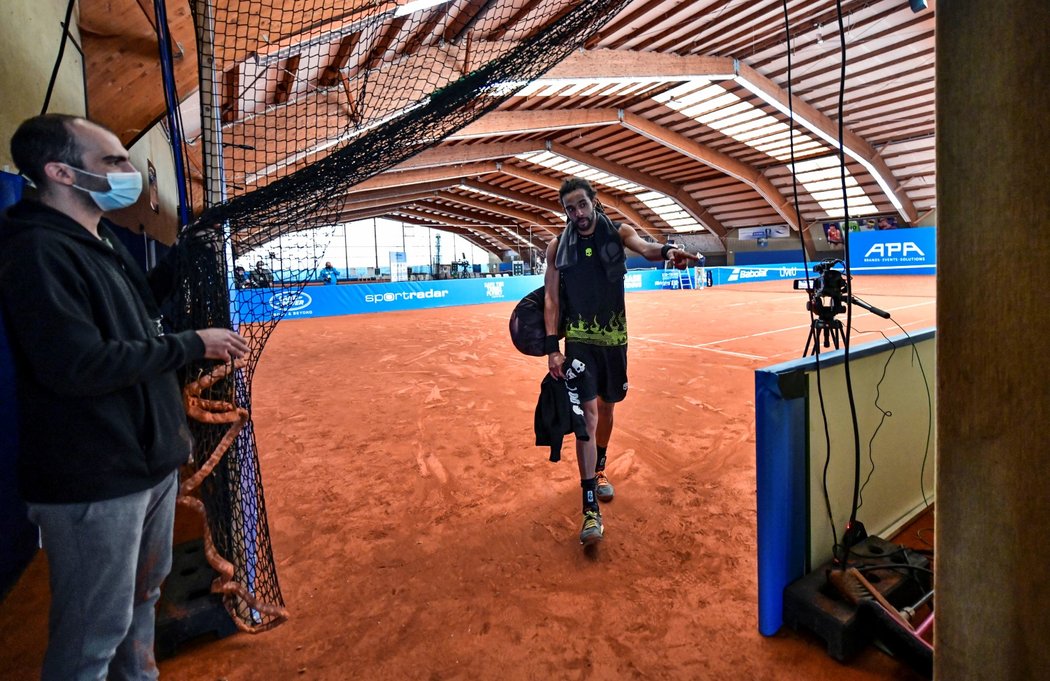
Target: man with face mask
x: 102, y: 431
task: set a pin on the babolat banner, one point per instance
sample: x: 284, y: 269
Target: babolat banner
x: 720, y: 276
x: 894, y: 251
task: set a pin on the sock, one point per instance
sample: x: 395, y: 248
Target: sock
x: 590, y: 497
x: 600, y: 466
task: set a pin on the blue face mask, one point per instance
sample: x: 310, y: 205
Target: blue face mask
x: 124, y: 189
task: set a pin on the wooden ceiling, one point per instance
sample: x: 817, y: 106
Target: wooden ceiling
x: 681, y: 108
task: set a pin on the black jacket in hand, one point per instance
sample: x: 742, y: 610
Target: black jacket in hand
x: 100, y: 411
x: 557, y: 416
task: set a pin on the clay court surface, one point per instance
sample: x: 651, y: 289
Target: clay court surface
x: 420, y: 534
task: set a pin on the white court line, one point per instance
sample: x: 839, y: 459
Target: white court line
x: 705, y: 346
x: 742, y: 355
x: 771, y: 300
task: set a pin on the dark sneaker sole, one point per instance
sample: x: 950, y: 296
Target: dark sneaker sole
x: 592, y: 537
x: 590, y: 540
x: 605, y: 497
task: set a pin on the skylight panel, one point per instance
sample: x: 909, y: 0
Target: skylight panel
x: 822, y: 178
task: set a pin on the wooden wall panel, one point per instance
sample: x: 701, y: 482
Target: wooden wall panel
x: 993, y: 333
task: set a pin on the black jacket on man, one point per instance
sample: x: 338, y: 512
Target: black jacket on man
x: 100, y: 411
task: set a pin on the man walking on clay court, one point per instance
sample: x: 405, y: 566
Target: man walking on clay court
x: 587, y: 263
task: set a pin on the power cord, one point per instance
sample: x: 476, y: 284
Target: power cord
x: 58, y: 59
x: 809, y: 284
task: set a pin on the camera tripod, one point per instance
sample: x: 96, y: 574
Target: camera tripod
x: 826, y: 329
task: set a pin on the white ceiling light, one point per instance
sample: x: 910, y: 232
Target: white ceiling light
x: 822, y: 179
x: 416, y: 6
x: 833, y: 141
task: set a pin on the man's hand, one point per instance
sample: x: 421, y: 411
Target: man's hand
x: 222, y: 344
x: 555, y: 360
x: 681, y: 259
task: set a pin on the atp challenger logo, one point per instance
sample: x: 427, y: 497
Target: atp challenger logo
x: 290, y: 302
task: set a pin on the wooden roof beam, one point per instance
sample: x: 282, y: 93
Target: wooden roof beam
x: 521, y: 216
x: 518, y: 16
x: 386, y: 201
x: 853, y: 145
x: 485, y: 230
x: 519, y: 197
x: 357, y: 194
x: 528, y: 224
x: 330, y: 74
x: 375, y: 55
x: 286, y: 81
x: 345, y: 216
x: 524, y: 122
x: 628, y: 64
x: 747, y: 174
x: 231, y: 94
x: 680, y: 196
x: 467, y: 216
x: 470, y: 15
x: 443, y: 156
x: 607, y: 199
x: 397, y: 179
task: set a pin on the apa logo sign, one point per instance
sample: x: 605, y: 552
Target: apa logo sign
x: 291, y: 302
x: 901, y: 249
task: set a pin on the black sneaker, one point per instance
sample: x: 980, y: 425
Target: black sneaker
x: 592, y: 530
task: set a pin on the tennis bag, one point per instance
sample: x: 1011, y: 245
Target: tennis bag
x: 527, y: 328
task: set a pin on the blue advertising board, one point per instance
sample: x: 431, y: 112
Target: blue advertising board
x: 327, y: 301
x: 258, y: 305
x: 894, y: 251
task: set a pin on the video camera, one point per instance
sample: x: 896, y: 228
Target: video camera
x: 827, y: 291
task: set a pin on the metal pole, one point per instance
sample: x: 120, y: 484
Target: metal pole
x: 346, y: 252
x: 215, y: 193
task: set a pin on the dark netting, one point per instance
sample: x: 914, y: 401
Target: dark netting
x: 311, y: 98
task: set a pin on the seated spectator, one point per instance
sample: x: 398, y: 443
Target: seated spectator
x: 261, y: 276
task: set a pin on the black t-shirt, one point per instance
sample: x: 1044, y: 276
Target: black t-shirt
x: 595, y: 311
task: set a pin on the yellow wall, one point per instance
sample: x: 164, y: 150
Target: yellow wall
x: 30, y: 34
x: 162, y: 225
x: 903, y: 449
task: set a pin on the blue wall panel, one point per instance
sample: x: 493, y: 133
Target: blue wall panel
x: 17, y: 534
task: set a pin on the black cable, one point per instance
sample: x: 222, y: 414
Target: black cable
x: 58, y: 59
x: 809, y: 286
x: 851, y: 530
x: 885, y: 415
x: 929, y: 416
